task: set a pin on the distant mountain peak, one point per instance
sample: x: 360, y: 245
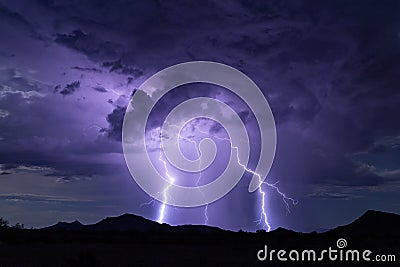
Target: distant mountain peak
x: 377, y: 213
x: 75, y: 225
x: 370, y: 220
x: 76, y: 222
x: 281, y: 230
x: 130, y: 222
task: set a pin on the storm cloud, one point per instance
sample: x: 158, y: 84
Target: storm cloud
x: 328, y: 69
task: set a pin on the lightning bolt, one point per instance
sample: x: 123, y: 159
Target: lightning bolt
x: 196, y: 145
x: 263, y: 220
x: 197, y: 184
x: 263, y: 214
x: 171, y: 179
x: 152, y: 202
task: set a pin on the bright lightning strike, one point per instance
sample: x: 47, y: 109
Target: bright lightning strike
x: 197, y: 184
x: 163, y: 206
x: 171, y: 179
x: 263, y: 220
x: 263, y: 214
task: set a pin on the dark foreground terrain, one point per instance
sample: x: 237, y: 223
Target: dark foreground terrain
x: 129, y: 240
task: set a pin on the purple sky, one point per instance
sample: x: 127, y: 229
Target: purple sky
x: 330, y: 72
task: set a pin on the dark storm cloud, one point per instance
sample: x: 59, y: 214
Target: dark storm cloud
x: 270, y: 32
x: 88, y: 44
x: 75, y: 171
x: 11, y: 17
x: 54, y: 165
x: 324, y: 195
x: 385, y: 144
x: 16, y: 197
x: 6, y: 55
x: 328, y: 69
x: 357, y: 105
x: 215, y: 128
x: 70, y: 88
x: 349, y: 174
x: 115, y: 120
x: 86, y: 69
x: 120, y: 67
x: 39, y: 136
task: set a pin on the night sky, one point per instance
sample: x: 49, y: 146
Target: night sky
x: 330, y: 71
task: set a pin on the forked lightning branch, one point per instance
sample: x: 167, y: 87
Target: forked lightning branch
x: 164, y: 187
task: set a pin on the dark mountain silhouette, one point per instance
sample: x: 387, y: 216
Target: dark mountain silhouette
x: 130, y: 222
x: 197, y: 228
x: 372, y: 221
x: 282, y: 231
x: 125, y: 222
x: 130, y: 240
x: 368, y: 222
x: 76, y: 225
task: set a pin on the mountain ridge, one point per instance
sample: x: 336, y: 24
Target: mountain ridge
x: 130, y: 222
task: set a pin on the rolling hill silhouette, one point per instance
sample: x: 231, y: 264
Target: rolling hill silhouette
x: 130, y: 222
x: 366, y: 223
x: 130, y: 240
x: 372, y: 221
x: 76, y: 225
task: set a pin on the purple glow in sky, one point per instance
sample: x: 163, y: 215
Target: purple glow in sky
x: 328, y: 70
x: 164, y: 185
